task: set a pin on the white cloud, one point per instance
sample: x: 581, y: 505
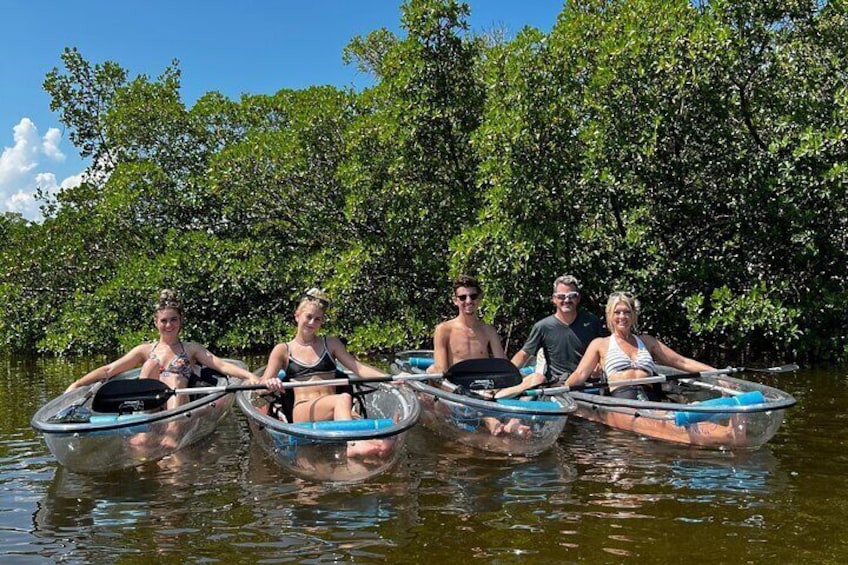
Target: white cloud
x: 18, y: 160
x: 50, y: 145
x: 22, y: 169
x: 47, y: 183
x: 23, y: 203
x: 71, y: 181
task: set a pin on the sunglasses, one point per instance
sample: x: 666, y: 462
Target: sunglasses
x: 315, y: 295
x: 563, y: 296
x: 471, y: 297
x: 321, y: 301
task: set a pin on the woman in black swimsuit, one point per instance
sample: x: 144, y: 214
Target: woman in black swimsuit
x: 309, y: 357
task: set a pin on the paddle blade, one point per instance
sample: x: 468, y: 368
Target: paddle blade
x: 484, y: 374
x: 73, y: 414
x: 131, y: 395
x: 780, y: 369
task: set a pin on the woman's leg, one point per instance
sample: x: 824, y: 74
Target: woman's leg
x: 175, y: 432
x: 329, y: 407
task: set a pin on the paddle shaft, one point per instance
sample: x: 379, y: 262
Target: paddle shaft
x: 301, y: 384
x: 663, y: 379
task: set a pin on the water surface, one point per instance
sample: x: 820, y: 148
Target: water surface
x: 601, y: 496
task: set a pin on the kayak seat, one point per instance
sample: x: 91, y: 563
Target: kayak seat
x: 206, y: 377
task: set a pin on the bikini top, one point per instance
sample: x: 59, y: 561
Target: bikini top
x: 180, y: 365
x: 298, y: 369
x: 617, y: 360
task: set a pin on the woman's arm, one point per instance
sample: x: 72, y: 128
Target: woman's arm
x: 278, y: 359
x: 135, y: 357
x: 588, y: 363
x: 358, y: 368
x: 665, y: 355
x: 205, y: 357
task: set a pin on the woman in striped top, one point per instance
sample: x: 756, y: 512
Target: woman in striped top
x: 624, y: 355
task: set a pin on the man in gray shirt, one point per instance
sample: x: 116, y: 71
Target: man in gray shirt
x: 562, y: 336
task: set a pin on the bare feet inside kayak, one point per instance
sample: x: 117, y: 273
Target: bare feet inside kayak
x: 369, y: 447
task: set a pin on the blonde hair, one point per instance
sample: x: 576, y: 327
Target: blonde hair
x: 622, y: 297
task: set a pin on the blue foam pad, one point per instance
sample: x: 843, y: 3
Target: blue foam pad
x: 531, y: 404
x: 347, y: 425
x: 128, y: 431
x: 688, y: 418
x: 420, y: 362
x: 115, y: 418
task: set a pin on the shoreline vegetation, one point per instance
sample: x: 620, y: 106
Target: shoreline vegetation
x: 695, y: 155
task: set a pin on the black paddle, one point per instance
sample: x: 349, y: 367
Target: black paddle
x: 129, y: 395
x: 664, y: 378
x: 484, y: 374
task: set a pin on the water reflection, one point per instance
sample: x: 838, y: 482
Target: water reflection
x: 755, y: 473
x: 470, y: 480
x: 77, y: 502
x: 151, y: 508
x: 291, y: 501
x: 335, y: 521
x: 633, y: 464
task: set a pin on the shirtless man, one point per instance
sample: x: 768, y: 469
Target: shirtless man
x: 468, y: 337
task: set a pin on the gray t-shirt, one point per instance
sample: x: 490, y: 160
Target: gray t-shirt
x: 563, y: 344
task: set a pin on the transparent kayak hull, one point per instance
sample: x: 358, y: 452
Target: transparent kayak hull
x: 515, y: 427
x: 108, y: 442
x: 334, y: 451
x: 725, y: 427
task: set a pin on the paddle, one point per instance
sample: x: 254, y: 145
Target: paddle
x: 664, y: 378
x: 149, y: 394
x: 75, y: 413
x: 484, y: 374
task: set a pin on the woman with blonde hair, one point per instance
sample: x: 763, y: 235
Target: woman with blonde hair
x: 313, y: 357
x: 624, y: 355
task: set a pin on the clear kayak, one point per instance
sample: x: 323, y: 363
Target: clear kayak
x: 715, y: 412
x: 343, y: 451
x: 87, y: 441
x: 519, y: 427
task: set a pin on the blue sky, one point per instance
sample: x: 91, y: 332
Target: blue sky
x: 252, y: 46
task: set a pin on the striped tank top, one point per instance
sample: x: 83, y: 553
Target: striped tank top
x: 617, y: 360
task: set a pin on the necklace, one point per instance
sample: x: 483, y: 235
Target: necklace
x: 303, y: 343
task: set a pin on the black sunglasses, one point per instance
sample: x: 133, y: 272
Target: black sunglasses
x: 473, y: 296
x: 322, y: 301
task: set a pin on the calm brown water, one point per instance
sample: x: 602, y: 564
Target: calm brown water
x: 601, y: 496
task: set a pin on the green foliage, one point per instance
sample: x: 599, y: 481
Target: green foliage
x: 83, y: 96
x: 409, y: 169
x: 754, y: 320
x: 695, y: 154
